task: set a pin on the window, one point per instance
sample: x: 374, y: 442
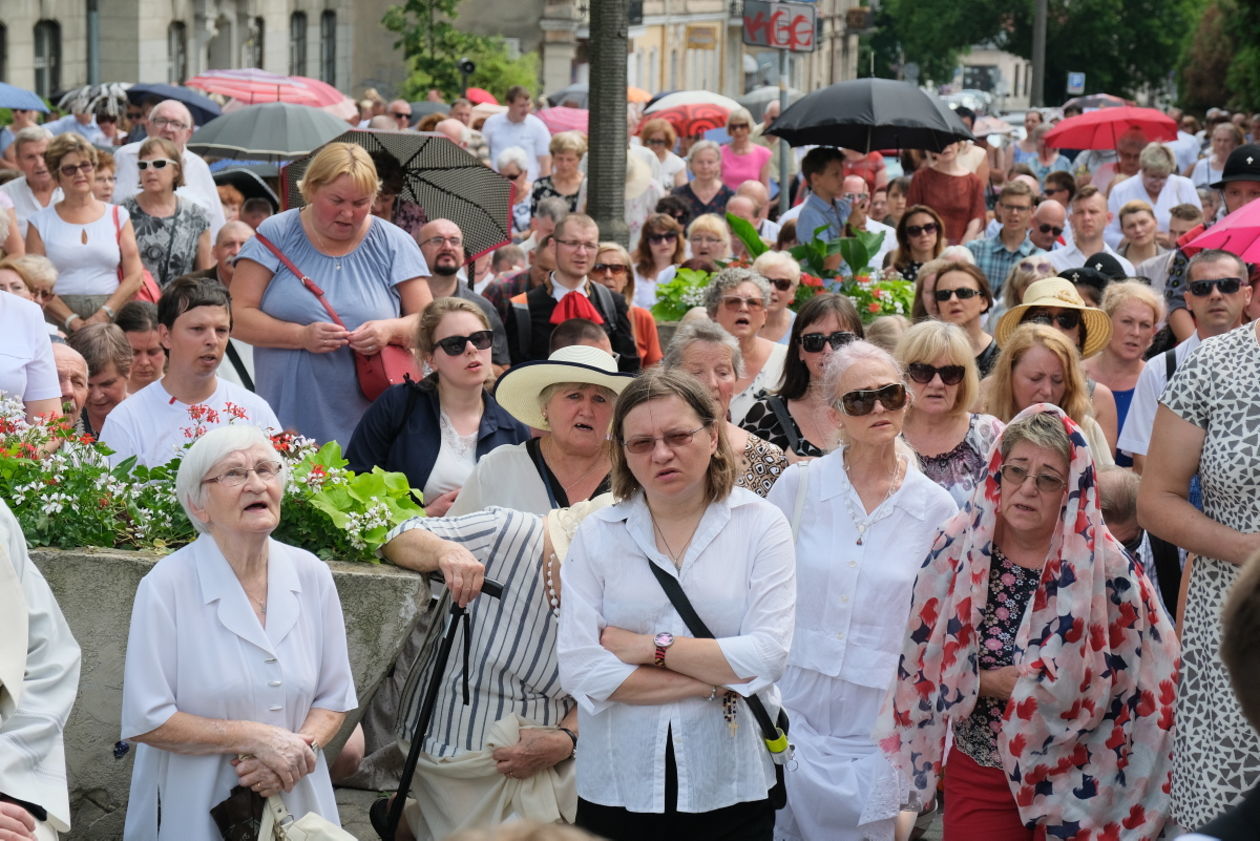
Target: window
x: 297, y: 44
x: 254, y: 47
x: 328, y: 47
x: 47, y: 57
x: 176, y: 52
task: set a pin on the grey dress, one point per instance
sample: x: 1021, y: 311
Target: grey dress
x: 168, y: 245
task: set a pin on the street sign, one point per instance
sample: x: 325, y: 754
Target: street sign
x: 1076, y: 83
x: 785, y: 26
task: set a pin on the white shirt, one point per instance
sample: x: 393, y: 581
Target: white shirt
x: 889, y: 243
x: 558, y: 291
x: 1071, y: 257
x: 738, y: 572
x: 1185, y: 149
x: 227, y: 371
x: 769, y: 229
x: 28, y: 371
x: 83, y: 268
x: 530, y: 134
x: 25, y: 205
x: 154, y: 426
x: 1177, y: 190
x: 645, y: 287
x: 767, y: 378
x: 198, y: 186
x: 1135, y: 438
x: 790, y: 214
x: 195, y: 646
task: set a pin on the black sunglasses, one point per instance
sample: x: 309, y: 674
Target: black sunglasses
x: 1067, y: 320
x: 668, y: 236
x: 815, y: 342
x: 964, y: 294
x: 1046, y: 229
x: 1203, y: 288
x: 922, y: 373
x: 615, y: 268
x: 400, y: 116
x: 858, y: 403
x: 782, y: 284
x: 454, y: 345
x: 916, y: 230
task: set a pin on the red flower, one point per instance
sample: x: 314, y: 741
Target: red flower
x: 810, y: 280
x: 873, y: 306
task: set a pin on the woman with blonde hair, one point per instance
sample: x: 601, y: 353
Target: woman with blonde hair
x: 709, y: 237
x: 1137, y: 221
x: 783, y: 273
x: 371, y: 273
x: 1156, y: 182
x: 565, y: 181
x: 743, y: 160
x: 1022, y: 274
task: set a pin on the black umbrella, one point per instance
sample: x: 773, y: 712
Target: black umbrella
x: 271, y: 131
x: 428, y: 169
x: 203, y: 108
x: 575, y: 96
x: 868, y: 114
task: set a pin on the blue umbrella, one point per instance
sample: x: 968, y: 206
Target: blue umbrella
x: 12, y: 96
x: 203, y: 108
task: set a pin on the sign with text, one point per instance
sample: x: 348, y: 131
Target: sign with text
x: 1076, y: 83
x: 783, y: 26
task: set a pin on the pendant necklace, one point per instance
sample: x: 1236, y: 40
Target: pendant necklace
x: 84, y: 238
x: 862, y: 521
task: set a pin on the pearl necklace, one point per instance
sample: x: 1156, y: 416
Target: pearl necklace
x: 861, y: 520
x: 553, y: 598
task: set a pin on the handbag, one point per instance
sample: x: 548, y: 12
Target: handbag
x: 773, y: 733
x: 279, y: 825
x: 149, y: 290
x: 375, y: 373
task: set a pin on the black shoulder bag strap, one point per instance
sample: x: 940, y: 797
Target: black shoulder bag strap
x: 239, y: 364
x: 779, y: 406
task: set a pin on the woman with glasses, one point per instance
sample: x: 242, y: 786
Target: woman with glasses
x: 737, y: 300
x: 565, y: 181
x: 863, y: 516
x: 613, y: 269
x: 743, y: 160
x: 962, y: 297
x: 513, y: 164
x: 709, y: 238
x: 797, y: 416
x: 952, y: 441
x: 1137, y: 222
x: 784, y: 275
x: 659, y: 137
x: 1156, y: 183
x: 705, y: 193
x: 1035, y: 641
x: 676, y: 751
x: 659, y: 252
x: 1135, y: 312
x: 920, y: 237
x: 435, y: 430
x: 92, y: 243
x: 237, y: 671
x: 173, y: 232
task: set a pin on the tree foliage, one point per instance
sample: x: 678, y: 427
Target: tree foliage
x: 433, y: 47
x: 1208, y: 57
x: 1243, y: 80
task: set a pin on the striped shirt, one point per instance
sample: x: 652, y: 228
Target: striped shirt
x: 513, y: 665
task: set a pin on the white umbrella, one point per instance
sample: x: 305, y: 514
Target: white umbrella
x: 697, y: 97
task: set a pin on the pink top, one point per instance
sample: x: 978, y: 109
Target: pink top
x: 736, y: 169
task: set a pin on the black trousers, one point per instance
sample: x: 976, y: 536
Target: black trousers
x: 741, y: 822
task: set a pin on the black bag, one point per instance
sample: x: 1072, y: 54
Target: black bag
x: 773, y: 733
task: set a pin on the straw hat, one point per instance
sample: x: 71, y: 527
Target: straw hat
x: 1060, y: 293
x: 518, y: 389
x: 562, y: 523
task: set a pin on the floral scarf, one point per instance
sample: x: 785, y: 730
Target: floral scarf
x: 1086, y: 737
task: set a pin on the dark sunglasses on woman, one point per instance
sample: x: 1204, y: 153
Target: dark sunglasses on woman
x: 964, y: 294
x: 815, y: 342
x: 918, y: 230
x: 668, y: 236
x: 858, y: 403
x: 780, y: 283
x: 922, y: 373
x: 615, y: 268
x: 1067, y: 320
x: 454, y: 345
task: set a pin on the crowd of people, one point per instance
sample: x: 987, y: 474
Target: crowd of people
x: 976, y: 555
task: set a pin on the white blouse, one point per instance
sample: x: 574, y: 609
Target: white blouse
x: 767, y: 379
x: 196, y: 646
x: 738, y: 573
x: 86, y: 256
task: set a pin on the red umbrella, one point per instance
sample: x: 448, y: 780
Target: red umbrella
x: 1100, y: 129
x: 561, y: 118
x: 253, y: 86
x: 479, y: 96
x: 691, y: 120
x: 1238, y: 233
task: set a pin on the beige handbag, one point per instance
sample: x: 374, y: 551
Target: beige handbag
x: 279, y: 825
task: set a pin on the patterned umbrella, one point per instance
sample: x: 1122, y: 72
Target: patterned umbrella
x: 691, y: 120
x: 445, y: 180
x: 252, y: 85
x: 561, y: 118
x: 110, y: 98
x: 272, y: 131
x: 697, y: 97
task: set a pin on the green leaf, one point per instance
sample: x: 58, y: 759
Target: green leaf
x: 753, y: 243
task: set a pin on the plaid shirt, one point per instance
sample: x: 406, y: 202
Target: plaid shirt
x: 995, y: 261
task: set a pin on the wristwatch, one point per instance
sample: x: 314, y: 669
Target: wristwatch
x: 663, y: 640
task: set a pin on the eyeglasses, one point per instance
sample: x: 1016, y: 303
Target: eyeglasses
x: 70, y: 169
x: 1038, y: 267
x: 613, y: 268
x: 399, y: 116
x: 454, y: 345
x: 815, y: 342
x: 964, y: 294
x: 1047, y: 229
x: 236, y: 476
x: 1020, y: 208
x: 1051, y: 190
x: 1067, y: 320
x: 674, y: 440
x: 922, y: 373
x: 135, y: 115
x: 454, y: 242
x: 512, y: 176
x: 735, y: 303
x: 577, y: 245
x: 156, y: 163
x: 1203, y: 288
x: 668, y: 236
x: 1015, y: 475
x: 859, y: 403
x: 162, y: 122
x: 919, y: 230
x: 780, y: 283
x: 856, y: 197
x: 658, y: 141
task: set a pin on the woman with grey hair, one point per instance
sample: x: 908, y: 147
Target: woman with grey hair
x: 711, y: 355
x: 1156, y: 183
x: 513, y: 164
x: 737, y: 300
x: 705, y: 193
x: 237, y: 669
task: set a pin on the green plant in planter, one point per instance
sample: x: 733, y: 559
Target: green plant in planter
x: 679, y: 294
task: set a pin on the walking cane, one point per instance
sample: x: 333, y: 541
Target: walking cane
x: 425, y: 716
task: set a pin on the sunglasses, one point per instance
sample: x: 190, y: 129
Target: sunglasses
x: 512, y: 175
x: 454, y: 345
x: 399, y: 116
x: 919, y: 230
x: 964, y: 294
x: 1067, y: 320
x: 1015, y: 475
x: 614, y: 268
x: 668, y: 236
x: 1203, y: 288
x: 658, y: 141
x: 859, y: 403
x: 734, y: 126
x: 156, y: 163
x: 1039, y: 268
x: 734, y: 303
x: 70, y: 169
x: 1046, y: 229
x: 780, y: 283
x: 815, y: 342
x: 922, y: 373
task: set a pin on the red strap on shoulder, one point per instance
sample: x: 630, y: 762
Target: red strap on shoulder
x: 306, y: 281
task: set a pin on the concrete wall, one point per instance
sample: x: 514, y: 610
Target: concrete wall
x: 96, y: 587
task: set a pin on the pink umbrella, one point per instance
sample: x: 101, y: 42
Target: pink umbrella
x: 252, y: 86
x: 1238, y: 233
x: 1100, y: 129
x: 479, y: 96
x: 562, y: 118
